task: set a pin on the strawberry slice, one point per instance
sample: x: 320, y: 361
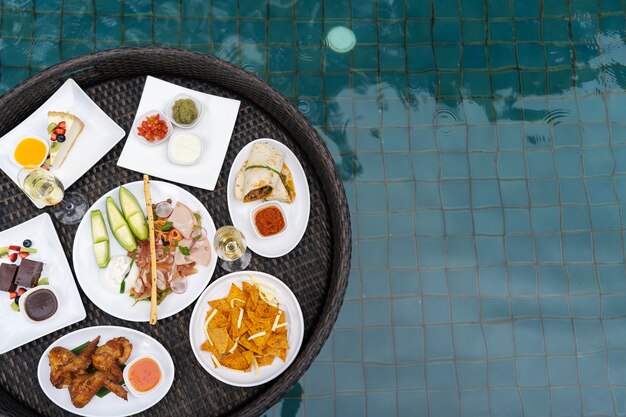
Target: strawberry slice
x: 21, y: 291
x: 59, y: 131
x: 61, y: 124
x: 12, y: 295
x: 15, y: 248
x: 13, y: 256
x: 24, y: 254
x: 53, y: 137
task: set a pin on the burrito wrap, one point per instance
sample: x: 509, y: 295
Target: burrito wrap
x: 256, y: 183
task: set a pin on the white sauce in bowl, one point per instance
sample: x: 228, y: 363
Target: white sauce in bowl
x: 185, y: 148
x: 111, y: 278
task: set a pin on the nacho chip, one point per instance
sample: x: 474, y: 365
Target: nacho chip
x: 218, y: 320
x: 278, y: 341
x: 243, y: 341
x: 236, y: 292
x: 249, y: 357
x: 265, y: 310
x: 221, y: 304
x: 236, y: 360
x: 219, y: 337
x: 281, y: 353
x: 265, y: 360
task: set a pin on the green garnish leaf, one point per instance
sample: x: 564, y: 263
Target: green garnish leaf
x: 198, y: 216
x: 43, y: 281
x: 78, y: 349
x: 184, y: 250
x: 167, y: 226
x: 14, y: 306
x: 263, y: 167
x: 123, y: 284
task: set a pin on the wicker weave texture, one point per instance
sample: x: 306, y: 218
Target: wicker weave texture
x: 316, y: 270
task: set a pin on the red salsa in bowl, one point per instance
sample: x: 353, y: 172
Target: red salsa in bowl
x: 269, y: 219
x: 153, y: 127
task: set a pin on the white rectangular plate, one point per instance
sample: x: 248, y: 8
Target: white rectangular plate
x: 16, y: 330
x: 97, y: 138
x: 215, y: 127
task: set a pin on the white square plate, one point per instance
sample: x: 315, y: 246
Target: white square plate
x: 97, y: 138
x: 16, y: 330
x: 215, y: 127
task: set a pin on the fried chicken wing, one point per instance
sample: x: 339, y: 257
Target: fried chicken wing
x: 81, y: 362
x: 84, y: 387
x: 59, y: 357
x: 111, y: 355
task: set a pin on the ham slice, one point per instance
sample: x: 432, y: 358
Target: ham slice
x: 201, y: 252
x: 182, y: 218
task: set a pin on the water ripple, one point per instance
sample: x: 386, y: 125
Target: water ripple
x: 310, y: 44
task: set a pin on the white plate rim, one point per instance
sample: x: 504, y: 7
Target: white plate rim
x: 42, y: 363
x: 84, y: 225
x: 236, y: 277
x: 45, y: 218
x: 260, y: 247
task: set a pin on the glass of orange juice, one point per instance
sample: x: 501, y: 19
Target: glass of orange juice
x: 30, y: 151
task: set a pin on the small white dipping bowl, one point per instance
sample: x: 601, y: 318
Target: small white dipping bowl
x: 265, y: 205
x: 130, y: 387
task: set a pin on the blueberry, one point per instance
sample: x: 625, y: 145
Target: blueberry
x: 27, y: 243
x: 60, y: 138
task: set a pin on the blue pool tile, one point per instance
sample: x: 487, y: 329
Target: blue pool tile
x: 544, y: 192
x: 502, y: 372
x: 373, y: 167
x: 485, y: 193
x: 409, y: 344
x: 429, y: 222
x: 350, y: 404
x: 441, y: 375
x: 346, y: 344
x: 531, y: 371
x: 563, y: 370
x: 559, y: 337
x: 380, y: 377
x: 427, y: 195
x: 434, y: 283
x: 499, y: 338
x: 320, y: 379
x: 611, y: 278
x: 458, y: 221
x: 553, y: 280
x: 463, y: 282
x: 375, y: 313
x: 472, y: 374
x: 597, y: 161
x: 431, y: 252
x: 380, y: 403
x: 349, y: 377
x: 505, y: 401
x: 608, y: 247
x: 378, y: 344
x: 578, y: 247
x: 461, y: 252
x: 493, y: 281
x: 443, y: 403
x: 323, y: 406
x: 350, y: 315
x: 545, y: 219
x: 511, y: 165
x: 575, y: 219
x: 489, y: 221
x: 405, y: 283
x: 613, y: 305
x: 528, y: 337
x: 436, y: 310
x: 525, y: 307
x: 600, y: 191
x: 572, y: 192
x: 495, y: 309
x: 568, y: 163
x: 454, y: 166
x: 536, y: 401
x: 520, y: 249
x: 597, y: 401
x: 549, y: 248
x: 565, y: 401
x: 617, y: 368
x: 490, y: 250
x: 474, y: 403
x: 465, y: 310
x: 592, y: 369
x: 585, y: 306
x: 469, y: 342
x: 412, y: 401
x: 517, y: 220
x: 615, y: 338
x: 439, y: 344
x: 407, y: 312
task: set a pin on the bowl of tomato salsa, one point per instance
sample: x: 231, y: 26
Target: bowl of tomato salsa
x: 143, y: 375
x: 269, y: 219
x: 153, y: 127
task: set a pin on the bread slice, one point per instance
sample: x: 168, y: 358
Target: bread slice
x: 73, y: 127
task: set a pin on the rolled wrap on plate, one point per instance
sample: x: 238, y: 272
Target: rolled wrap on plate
x: 258, y: 176
x: 285, y: 190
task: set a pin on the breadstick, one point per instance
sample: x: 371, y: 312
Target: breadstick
x: 153, y: 271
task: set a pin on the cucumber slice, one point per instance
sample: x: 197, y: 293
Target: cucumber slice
x: 100, y: 238
x: 119, y: 227
x: 133, y: 213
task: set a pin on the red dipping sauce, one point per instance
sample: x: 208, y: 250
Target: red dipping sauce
x: 269, y: 221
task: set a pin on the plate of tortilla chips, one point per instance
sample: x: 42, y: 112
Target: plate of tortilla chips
x: 246, y: 328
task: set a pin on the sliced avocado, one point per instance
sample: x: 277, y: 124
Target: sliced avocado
x: 100, y: 238
x: 133, y: 213
x: 51, y: 127
x: 119, y: 227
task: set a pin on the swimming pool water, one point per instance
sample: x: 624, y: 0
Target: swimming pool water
x: 482, y: 144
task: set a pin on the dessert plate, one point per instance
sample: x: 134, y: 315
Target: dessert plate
x: 215, y: 128
x: 110, y: 405
x: 16, y: 329
x: 99, y: 135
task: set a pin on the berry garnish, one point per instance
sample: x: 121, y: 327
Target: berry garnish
x: 21, y: 291
x: 12, y: 295
x: 15, y: 247
x: 27, y: 243
x: 24, y: 254
x: 13, y: 256
x: 61, y: 124
x: 60, y: 138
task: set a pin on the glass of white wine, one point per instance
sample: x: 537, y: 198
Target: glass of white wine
x: 44, y: 188
x: 230, y: 245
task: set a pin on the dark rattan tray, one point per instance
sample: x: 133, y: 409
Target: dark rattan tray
x: 316, y: 271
